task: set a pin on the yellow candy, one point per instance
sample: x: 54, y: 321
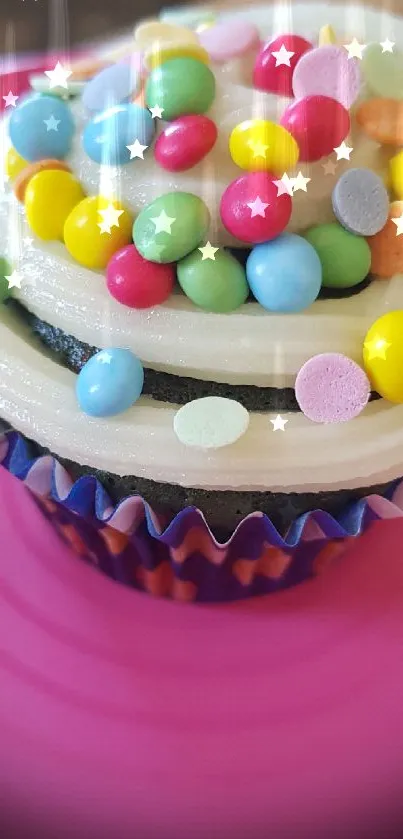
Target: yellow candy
x: 396, y: 174
x: 383, y: 356
x: 327, y: 35
x: 96, y: 229
x: 159, y: 53
x: 262, y: 145
x: 49, y: 198
x: 154, y: 32
x: 14, y: 163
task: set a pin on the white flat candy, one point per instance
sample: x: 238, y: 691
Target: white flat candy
x: 211, y: 422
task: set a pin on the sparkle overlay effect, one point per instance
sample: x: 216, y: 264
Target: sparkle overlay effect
x: 208, y: 252
x: 110, y: 218
x: 163, y: 223
x: 58, y: 76
x: 283, y: 56
x: 343, y: 152
x: 279, y: 423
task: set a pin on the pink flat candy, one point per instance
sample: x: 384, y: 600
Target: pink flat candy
x: 229, y: 39
x: 331, y: 388
x: 330, y: 72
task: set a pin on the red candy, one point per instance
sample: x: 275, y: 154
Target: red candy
x: 318, y: 124
x: 278, y: 79
x: 185, y: 142
x: 251, y: 209
x: 136, y: 282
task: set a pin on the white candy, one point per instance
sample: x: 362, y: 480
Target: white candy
x: 211, y: 422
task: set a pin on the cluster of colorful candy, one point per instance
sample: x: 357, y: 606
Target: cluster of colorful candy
x: 284, y: 271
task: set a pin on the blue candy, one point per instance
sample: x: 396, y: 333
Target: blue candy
x: 109, y: 383
x: 41, y: 127
x: 285, y: 274
x: 107, y: 136
x: 111, y: 86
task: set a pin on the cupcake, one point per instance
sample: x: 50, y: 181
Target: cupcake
x: 201, y: 374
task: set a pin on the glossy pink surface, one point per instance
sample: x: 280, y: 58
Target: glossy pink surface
x: 125, y: 716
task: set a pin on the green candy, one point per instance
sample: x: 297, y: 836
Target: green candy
x: 345, y: 258
x: 171, y: 227
x: 383, y: 71
x: 5, y: 271
x: 218, y: 284
x: 181, y: 86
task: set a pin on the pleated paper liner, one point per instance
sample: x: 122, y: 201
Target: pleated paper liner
x: 181, y: 559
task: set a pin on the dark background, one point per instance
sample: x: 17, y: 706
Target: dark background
x: 39, y: 24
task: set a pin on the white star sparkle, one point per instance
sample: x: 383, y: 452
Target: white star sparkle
x: 279, y: 423
x: 399, y: 225
x: 208, y: 252
x: 258, y: 148
x: 156, y: 112
x: 28, y: 242
x: 14, y: 280
x: 52, y: 124
x: 355, y: 49
x: 283, y: 56
x: 110, y: 218
x: 104, y: 357
x: 284, y: 185
x: 343, y: 152
x: 163, y: 223
x: 387, y: 46
x: 58, y: 76
x: 136, y: 150
x: 257, y: 207
x: 10, y: 100
x: 300, y: 183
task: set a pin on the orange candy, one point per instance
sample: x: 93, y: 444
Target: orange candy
x: 22, y: 180
x: 386, y: 247
x: 382, y: 120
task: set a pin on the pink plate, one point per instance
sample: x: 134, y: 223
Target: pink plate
x: 124, y: 716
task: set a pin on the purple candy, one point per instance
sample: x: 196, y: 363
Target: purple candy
x: 111, y: 86
x: 331, y: 388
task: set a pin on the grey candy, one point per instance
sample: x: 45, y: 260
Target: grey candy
x: 361, y: 202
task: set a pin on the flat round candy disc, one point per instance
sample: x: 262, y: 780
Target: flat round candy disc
x: 361, y: 202
x: 383, y: 71
x: 330, y: 72
x: 229, y: 39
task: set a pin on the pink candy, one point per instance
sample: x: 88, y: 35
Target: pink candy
x: 136, y: 282
x: 229, y: 39
x: 318, y: 124
x: 330, y: 72
x: 270, y: 73
x: 331, y: 388
x: 251, y: 209
x: 185, y: 142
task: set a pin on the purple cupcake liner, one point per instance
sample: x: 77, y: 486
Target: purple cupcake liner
x: 136, y: 546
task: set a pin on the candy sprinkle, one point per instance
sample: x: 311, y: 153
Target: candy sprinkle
x: 328, y: 71
x: 331, y: 388
x: 361, y: 202
x: 211, y: 422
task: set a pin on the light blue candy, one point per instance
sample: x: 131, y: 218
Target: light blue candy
x: 285, y: 274
x: 111, y: 86
x: 41, y: 127
x: 109, y: 383
x: 108, y: 134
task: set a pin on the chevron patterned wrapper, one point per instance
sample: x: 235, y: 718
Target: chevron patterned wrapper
x: 181, y: 559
